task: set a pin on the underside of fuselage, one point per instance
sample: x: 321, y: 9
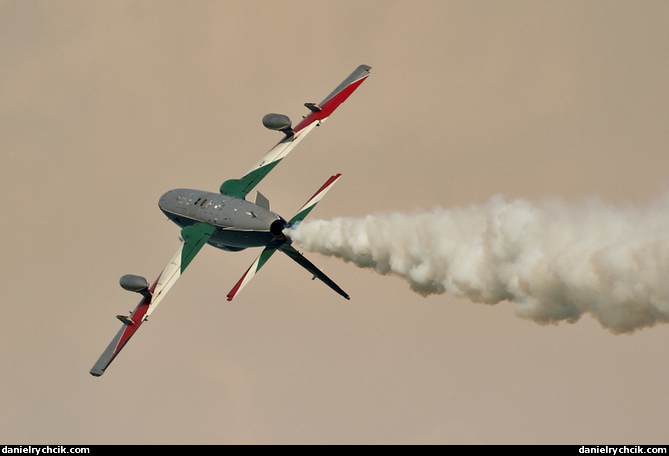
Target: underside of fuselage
x: 239, y: 224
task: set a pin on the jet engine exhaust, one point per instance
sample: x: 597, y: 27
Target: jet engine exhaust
x: 277, y: 229
x: 555, y: 261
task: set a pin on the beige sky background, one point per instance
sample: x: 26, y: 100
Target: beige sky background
x: 106, y: 105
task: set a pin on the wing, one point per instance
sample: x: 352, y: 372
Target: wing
x: 194, y: 237
x: 239, y: 188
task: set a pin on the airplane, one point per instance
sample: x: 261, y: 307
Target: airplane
x: 228, y: 221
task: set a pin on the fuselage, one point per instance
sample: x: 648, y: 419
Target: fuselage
x: 239, y: 223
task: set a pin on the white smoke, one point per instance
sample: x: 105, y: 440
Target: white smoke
x: 554, y: 260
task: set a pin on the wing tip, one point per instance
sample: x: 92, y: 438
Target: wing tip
x: 233, y: 292
x: 364, y: 67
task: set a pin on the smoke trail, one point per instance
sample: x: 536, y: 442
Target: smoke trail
x: 555, y: 261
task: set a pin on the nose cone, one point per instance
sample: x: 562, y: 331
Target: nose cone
x: 165, y: 200
x: 167, y: 196
x: 169, y: 203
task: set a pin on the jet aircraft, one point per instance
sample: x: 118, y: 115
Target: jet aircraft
x: 228, y: 221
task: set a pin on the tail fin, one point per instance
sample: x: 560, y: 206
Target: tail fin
x: 309, y: 266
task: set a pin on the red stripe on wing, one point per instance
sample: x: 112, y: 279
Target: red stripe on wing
x: 329, y: 106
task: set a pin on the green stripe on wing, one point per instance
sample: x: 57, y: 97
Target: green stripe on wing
x: 194, y: 236
x: 239, y: 188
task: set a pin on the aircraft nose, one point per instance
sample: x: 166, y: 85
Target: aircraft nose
x: 168, y: 200
x: 163, y: 200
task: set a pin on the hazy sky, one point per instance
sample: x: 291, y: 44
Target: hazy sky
x: 106, y: 105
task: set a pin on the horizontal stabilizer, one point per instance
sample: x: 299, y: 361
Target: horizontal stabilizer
x: 282, y: 242
x: 309, y: 205
x: 250, y: 272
